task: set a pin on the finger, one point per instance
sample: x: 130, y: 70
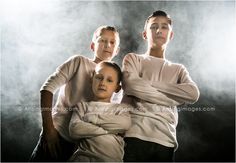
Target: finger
x: 44, y: 145
x: 52, y: 150
x: 59, y: 149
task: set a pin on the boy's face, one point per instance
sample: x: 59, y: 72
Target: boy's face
x: 158, y: 32
x: 104, y: 83
x: 106, y: 45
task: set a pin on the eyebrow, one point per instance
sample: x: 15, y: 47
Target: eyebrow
x: 161, y: 24
x: 104, y: 37
x: 165, y: 23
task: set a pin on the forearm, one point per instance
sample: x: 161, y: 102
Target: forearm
x: 112, y: 123
x: 46, y: 109
x: 85, y: 130
x: 142, y: 89
x: 185, y: 92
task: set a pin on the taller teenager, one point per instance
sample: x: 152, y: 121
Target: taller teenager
x: 155, y: 86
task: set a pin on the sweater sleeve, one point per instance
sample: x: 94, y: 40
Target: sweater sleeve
x: 134, y: 85
x: 112, y: 123
x: 81, y: 129
x: 62, y: 74
x: 185, y: 91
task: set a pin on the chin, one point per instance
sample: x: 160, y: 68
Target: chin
x: 106, y: 58
x: 100, y: 96
x: 156, y: 46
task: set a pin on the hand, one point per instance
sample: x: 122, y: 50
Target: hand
x: 121, y: 134
x: 90, y: 118
x: 51, y: 142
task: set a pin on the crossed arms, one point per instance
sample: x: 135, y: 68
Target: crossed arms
x: 91, y: 125
x: 167, y: 94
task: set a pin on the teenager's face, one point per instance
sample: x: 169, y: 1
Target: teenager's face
x: 104, y: 83
x: 106, y: 45
x: 158, y: 32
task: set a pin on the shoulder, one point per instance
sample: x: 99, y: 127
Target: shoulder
x: 133, y: 57
x: 72, y: 59
x: 126, y: 107
x: 175, y: 65
x: 122, y: 107
x: 77, y: 60
x: 78, y: 57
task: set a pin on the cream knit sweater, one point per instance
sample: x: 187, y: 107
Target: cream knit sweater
x: 157, y: 87
x: 74, y: 80
x: 95, y: 126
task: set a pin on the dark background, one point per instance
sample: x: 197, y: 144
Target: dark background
x: 37, y: 36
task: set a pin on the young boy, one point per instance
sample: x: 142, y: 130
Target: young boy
x: 155, y: 86
x: 97, y: 125
x: 73, y: 78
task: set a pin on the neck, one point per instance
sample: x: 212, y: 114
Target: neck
x: 108, y: 100
x: 97, y: 60
x: 156, y: 52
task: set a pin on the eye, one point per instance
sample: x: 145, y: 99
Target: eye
x: 112, y: 42
x: 101, y: 40
x: 165, y: 27
x: 98, y: 77
x: 110, y: 80
x: 154, y: 27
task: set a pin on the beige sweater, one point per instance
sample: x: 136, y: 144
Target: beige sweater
x: 159, y: 86
x: 74, y: 80
x: 95, y: 126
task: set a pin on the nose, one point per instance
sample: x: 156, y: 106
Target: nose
x: 102, y: 82
x: 158, y: 31
x: 107, y: 44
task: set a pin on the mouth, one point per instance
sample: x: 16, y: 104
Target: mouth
x: 107, y: 52
x: 101, y: 89
x: 159, y: 37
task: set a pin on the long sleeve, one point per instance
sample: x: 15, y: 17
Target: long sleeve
x: 80, y: 129
x: 62, y: 74
x: 138, y: 87
x: 185, y: 91
x: 112, y: 123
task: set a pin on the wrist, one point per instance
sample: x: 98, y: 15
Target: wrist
x: 48, y: 127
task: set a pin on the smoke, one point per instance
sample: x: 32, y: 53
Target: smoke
x: 37, y: 36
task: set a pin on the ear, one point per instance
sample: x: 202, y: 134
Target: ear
x: 171, y: 35
x: 91, y: 77
x: 117, y: 50
x: 144, y: 34
x: 92, y: 46
x: 118, y: 88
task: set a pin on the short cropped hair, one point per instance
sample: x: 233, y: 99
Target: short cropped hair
x: 156, y: 14
x: 101, y: 29
x: 115, y: 67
